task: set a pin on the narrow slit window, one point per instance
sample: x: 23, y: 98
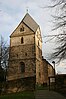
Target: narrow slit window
x: 38, y: 43
x: 22, y: 41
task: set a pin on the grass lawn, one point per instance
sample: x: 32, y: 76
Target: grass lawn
x: 22, y: 95
x: 42, y: 87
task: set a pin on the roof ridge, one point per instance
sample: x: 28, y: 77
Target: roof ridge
x: 31, y: 17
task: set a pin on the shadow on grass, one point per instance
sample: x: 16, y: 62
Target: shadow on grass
x: 21, y: 95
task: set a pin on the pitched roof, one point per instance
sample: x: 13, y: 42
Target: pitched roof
x: 29, y: 21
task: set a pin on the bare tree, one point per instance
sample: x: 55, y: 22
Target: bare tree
x: 4, y: 51
x: 59, y: 24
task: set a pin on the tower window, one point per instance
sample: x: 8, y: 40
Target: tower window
x: 38, y: 43
x: 39, y: 74
x: 17, y: 55
x: 25, y: 54
x: 22, y: 67
x: 22, y: 40
x: 21, y: 29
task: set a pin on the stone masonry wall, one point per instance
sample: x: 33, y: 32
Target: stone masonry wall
x: 24, y: 53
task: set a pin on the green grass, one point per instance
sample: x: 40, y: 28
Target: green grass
x: 42, y: 87
x: 23, y: 95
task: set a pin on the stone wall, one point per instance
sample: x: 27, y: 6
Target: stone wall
x: 19, y: 85
x: 38, y: 48
x: 44, y: 72
x: 21, y: 52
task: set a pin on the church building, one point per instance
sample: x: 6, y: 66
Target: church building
x: 25, y: 56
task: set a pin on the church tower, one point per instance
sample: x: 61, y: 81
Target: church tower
x: 25, y: 55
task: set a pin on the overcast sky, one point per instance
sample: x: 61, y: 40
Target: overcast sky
x: 12, y: 12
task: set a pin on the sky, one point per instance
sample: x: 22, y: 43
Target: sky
x: 12, y: 12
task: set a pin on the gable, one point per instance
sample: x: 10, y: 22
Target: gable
x: 19, y: 32
x: 27, y: 24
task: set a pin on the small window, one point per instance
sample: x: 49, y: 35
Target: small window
x: 22, y: 40
x: 25, y: 54
x: 17, y: 55
x: 21, y: 29
x: 22, y: 67
x: 38, y: 43
x: 39, y: 74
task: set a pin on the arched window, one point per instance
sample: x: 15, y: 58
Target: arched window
x: 22, y: 40
x: 22, y: 67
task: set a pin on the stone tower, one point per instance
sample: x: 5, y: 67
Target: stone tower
x: 25, y: 55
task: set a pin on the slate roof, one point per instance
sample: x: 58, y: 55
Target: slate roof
x: 29, y: 21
